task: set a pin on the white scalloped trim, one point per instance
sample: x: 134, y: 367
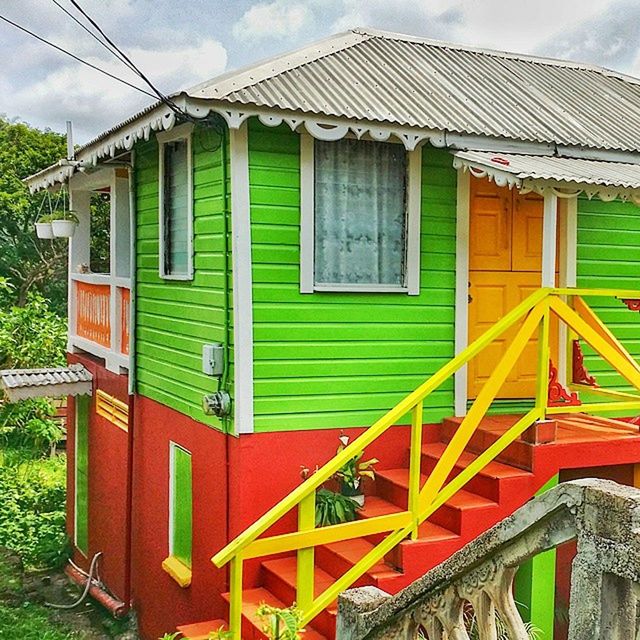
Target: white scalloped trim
x: 162, y: 118
x: 542, y: 187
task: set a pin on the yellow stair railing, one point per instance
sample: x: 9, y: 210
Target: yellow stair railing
x: 534, y: 314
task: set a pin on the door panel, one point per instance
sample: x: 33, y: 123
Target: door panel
x: 528, y: 211
x: 489, y: 227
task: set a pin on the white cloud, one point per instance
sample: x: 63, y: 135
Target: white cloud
x: 278, y: 19
x: 94, y: 101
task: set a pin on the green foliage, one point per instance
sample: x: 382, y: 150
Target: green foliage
x: 32, y: 335
x: 221, y: 634
x: 334, y: 508
x: 31, y: 622
x: 32, y: 511
x: 28, y: 263
x: 100, y: 233
x: 280, y: 624
x: 353, y: 472
x: 27, y: 429
x: 170, y: 636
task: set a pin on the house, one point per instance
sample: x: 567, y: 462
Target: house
x: 359, y: 238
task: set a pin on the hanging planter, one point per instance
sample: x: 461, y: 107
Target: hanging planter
x: 64, y: 224
x: 44, y: 230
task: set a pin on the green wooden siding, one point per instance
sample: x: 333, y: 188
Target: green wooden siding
x: 82, y: 474
x: 342, y: 359
x: 175, y: 318
x: 609, y: 257
x: 181, y: 525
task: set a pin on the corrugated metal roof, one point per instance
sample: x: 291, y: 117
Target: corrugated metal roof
x: 24, y: 383
x: 571, y: 170
x: 372, y: 75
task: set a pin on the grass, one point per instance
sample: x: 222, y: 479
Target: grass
x: 31, y: 622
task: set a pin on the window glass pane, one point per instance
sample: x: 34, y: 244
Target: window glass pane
x: 360, y: 212
x: 176, y: 207
x: 181, y: 525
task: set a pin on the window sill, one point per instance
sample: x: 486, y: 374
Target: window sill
x: 363, y: 288
x: 178, y: 571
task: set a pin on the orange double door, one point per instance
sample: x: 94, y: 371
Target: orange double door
x: 505, y: 262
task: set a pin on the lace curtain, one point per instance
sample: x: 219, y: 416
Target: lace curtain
x: 360, y: 212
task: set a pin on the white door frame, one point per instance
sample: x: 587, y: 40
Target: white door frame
x: 566, y: 210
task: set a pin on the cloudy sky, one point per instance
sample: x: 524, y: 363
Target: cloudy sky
x: 178, y: 43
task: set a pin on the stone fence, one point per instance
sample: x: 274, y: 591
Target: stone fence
x: 603, y: 516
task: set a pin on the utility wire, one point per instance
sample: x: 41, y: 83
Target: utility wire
x: 160, y: 95
x: 75, y: 57
x: 93, y: 35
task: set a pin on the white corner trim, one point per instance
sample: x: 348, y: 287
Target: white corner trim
x: 414, y: 209
x: 549, y: 240
x: 242, y: 280
x: 307, y: 220
x: 181, y: 132
x: 462, y: 287
x: 568, y: 259
x: 411, y: 286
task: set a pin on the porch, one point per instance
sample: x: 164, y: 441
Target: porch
x: 100, y: 286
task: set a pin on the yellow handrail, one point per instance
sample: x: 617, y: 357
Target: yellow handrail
x: 535, y: 313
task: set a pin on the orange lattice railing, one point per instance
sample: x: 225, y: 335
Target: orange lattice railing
x: 92, y: 312
x: 125, y: 311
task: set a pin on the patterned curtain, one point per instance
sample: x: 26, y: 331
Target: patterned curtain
x: 360, y: 212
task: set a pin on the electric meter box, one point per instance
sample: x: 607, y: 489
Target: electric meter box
x: 213, y: 359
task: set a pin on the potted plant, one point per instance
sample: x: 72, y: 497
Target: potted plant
x: 351, y: 475
x: 334, y: 508
x: 44, y: 229
x: 64, y: 223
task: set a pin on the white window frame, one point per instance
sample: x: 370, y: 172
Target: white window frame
x: 181, y: 132
x: 411, y: 286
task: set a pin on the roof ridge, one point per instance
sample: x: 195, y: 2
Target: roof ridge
x: 544, y: 60
x: 249, y: 75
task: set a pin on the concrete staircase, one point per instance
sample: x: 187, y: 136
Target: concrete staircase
x: 489, y: 497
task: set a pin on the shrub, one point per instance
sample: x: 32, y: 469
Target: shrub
x: 334, y: 508
x: 32, y: 511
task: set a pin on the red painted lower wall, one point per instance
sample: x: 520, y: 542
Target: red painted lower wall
x: 262, y: 469
x: 160, y: 603
x: 108, y: 484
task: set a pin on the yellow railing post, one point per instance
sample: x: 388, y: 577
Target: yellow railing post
x: 305, y: 576
x: 235, y: 591
x: 415, y: 459
x: 542, y: 383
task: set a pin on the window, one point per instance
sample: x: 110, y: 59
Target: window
x: 176, y: 204
x: 360, y: 216
x: 81, y: 501
x: 180, y: 515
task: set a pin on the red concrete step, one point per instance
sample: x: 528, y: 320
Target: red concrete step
x: 201, y: 630
x: 518, y: 454
x: 279, y: 577
x: 495, y: 481
x: 457, y: 515
x: 251, y: 626
x: 337, y: 558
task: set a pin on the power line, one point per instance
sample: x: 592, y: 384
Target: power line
x: 160, y: 95
x: 93, y: 35
x: 75, y: 57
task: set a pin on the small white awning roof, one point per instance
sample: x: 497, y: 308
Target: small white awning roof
x: 565, y: 176
x: 19, y: 384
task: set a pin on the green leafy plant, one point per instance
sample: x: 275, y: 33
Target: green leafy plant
x: 32, y: 511
x: 334, y: 508
x: 353, y: 472
x: 280, y: 624
x: 64, y: 214
x: 221, y: 634
x: 170, y: 636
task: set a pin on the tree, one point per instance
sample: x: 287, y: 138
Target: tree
x: 26, y: 262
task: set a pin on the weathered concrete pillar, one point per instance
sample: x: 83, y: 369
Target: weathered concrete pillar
x: 586, y: 600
